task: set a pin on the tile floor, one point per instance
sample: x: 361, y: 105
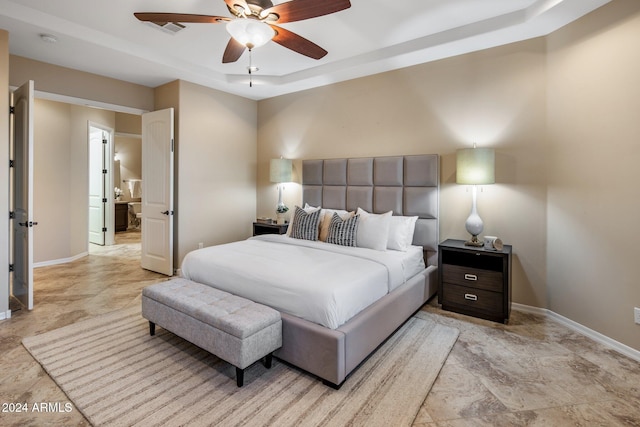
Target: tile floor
x: 530, y: 372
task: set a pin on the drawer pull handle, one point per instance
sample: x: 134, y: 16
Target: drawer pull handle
x: 471, y: 297
x: 470, y: 277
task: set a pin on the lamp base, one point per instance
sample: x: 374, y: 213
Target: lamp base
x: 474, y: 242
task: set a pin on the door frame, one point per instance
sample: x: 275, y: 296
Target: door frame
x: 108, y: 154
x: 21, y: 255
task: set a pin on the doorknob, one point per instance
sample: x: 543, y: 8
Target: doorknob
x: 27, y: 224
x: 167, y: 213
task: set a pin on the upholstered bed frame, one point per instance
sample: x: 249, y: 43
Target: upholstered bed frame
x: 408, y: 185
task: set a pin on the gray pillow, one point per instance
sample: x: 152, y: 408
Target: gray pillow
x: 305, y: 225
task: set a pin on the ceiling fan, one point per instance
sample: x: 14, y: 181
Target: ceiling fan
x: 254, y: 22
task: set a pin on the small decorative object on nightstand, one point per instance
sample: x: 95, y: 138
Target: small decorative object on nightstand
x: 262, y: 228
x: 475, y: 281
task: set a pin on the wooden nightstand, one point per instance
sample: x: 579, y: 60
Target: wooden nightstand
x: 475, y: 281
x: 262, y: 228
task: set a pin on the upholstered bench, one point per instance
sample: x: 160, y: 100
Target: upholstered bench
x: 235, y: 329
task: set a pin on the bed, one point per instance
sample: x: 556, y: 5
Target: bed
x: 329, y: 328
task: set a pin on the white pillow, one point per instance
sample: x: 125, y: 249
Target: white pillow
x: 373, y: 230
x: 401, y: 230
x: 307, y: 209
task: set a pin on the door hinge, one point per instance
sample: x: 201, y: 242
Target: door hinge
x: 12, y: 215
x: 104, y: 200
x: 172, y: 145
x: 104, y: 229
x: 104, y: 171
x: 11, y: 267
x: 12, y: 163
x: 12, y: 110
x: 104, y: 141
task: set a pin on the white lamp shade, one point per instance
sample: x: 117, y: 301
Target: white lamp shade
x: 280, y: 170
x: 249, y: 32
x: 475, y: 166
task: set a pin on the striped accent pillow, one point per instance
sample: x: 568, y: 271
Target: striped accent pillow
x: 305, y: 225
x: 343, y: 232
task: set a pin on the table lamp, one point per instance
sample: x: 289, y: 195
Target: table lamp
x: 475, y: 166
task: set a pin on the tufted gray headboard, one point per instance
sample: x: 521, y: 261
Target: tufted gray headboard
x: 407, y: 185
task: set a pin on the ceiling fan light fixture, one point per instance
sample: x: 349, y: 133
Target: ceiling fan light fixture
x: 249, y: 32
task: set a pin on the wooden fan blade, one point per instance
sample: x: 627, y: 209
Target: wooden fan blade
x: 297, y: 43
x: 298, y: 10
x: 180, y: 17
x: 233, y: 51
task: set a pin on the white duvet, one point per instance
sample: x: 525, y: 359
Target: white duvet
x: 320, y: 282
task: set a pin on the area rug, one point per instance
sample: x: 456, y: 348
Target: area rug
x: 116, y: 374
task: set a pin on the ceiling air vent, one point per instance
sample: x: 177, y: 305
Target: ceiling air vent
x: 168, y: 27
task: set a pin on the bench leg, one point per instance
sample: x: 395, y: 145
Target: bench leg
x: 239, y: 377
x: 268, y: 359
x: 152, y: 328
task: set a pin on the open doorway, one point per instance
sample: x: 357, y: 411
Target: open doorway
x: 127, y: 170
x: 61, y: 174
x: 62, y: 182
x: 61, y: 185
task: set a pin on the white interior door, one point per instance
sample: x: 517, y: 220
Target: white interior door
x: 97, y: 186
x: 22, y: 223
x: 157, y: 191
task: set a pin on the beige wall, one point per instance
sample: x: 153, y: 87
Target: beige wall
x: 594, y: 151
x: 78, y: 84
x: 495, y: 98
x: 215, y: 163
x: 52, y: 179
x: 215, y: 167
x: 61, y: 174
x: 129, y: 124
x: 4, y: 171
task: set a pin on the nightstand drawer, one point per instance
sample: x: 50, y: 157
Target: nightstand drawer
x: 473, y: 277
x: 473, y: 299
x: 260, y: 228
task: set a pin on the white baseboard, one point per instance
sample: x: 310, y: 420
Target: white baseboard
x: 577, y: 327
x: 59, y: 261
x: 5, y: 315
